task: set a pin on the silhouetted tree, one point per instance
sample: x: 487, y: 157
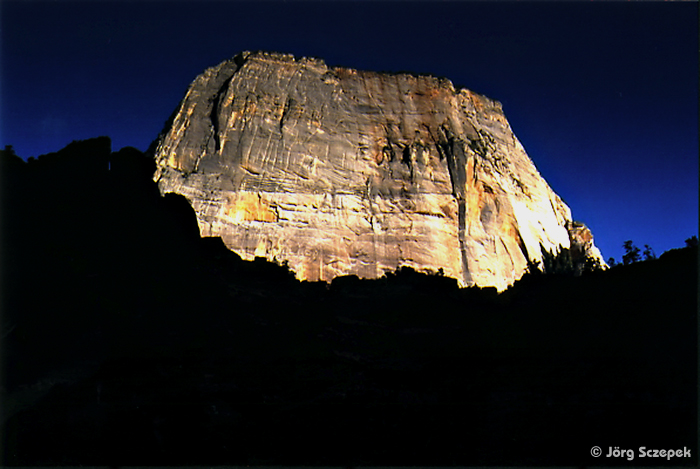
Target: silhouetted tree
x: 561, y: 262
x: 558, y: 262
x: 631, y: 253
x: 534, y: 267
x: 691, y: 242
x: 648, y: 253
x: 612, y: 262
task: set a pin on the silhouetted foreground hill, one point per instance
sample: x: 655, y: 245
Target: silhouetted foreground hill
x: 129, y: 340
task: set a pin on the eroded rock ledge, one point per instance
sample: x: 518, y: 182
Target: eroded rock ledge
x: 339, y: 171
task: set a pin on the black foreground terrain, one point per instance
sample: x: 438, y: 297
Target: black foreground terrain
x: 129, y: 340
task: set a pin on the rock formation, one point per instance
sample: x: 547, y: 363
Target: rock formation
x: 339, y: 171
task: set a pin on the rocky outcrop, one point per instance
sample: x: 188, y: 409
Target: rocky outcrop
x: 582, y: 248
x: 338, y: 171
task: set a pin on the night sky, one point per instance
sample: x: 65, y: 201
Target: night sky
x: 603, y: 96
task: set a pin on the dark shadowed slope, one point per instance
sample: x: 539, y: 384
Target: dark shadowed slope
x: 129, y: 340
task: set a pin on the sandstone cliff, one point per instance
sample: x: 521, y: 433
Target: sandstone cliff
x: 339, y: 171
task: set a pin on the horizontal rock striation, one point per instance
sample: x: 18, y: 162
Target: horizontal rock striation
x: 338, y: 171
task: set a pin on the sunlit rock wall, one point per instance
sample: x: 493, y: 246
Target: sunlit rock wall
x: 338, y: 171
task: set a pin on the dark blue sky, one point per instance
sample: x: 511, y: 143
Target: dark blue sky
x: 603, y: 96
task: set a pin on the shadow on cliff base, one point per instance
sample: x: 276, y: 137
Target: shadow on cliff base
x: 128, y: 339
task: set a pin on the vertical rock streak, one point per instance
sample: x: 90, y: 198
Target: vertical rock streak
x: 338, y: 171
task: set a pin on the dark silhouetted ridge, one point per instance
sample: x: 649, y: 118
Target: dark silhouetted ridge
x: 127, y: 339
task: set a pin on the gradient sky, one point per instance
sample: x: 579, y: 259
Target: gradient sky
x: 603, y: 96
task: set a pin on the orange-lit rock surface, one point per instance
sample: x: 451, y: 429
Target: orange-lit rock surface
x: 338, y: 171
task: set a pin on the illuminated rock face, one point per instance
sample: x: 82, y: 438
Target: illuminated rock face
x: 338, y: 172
